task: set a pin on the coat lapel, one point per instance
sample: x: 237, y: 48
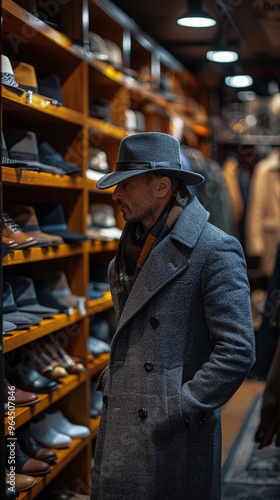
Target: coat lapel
x: 166, y: 261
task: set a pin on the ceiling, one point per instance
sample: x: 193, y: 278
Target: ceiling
x: 252, y: 27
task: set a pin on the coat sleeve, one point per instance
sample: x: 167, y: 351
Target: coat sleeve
x: 226, y: 298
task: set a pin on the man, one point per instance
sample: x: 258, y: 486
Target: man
x: 184, y: 341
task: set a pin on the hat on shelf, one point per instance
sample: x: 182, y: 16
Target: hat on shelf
x: 48, y: 155
x: 46, y: 297
x: 8, y: 77
x: 26, y: 76
x: 11, y: 313
x: 148, y: 152
x: 25, y: 217
x: 114, y: 54
x: 24, y: 147
x: 100, y: 108
x: 97, y: 164
x: 103, y: 221
x: 97, y: 46
x: 49, y: 85
x: 26, y: 298
x: 62, y: 292
x: 52, y: 219
x: 6, y: 161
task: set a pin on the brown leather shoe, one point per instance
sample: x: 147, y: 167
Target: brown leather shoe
x: 57, y: 353
x: 27, y: 465
x: 12, y: 230
x: 22, y: 481
x: 22, y: 398
x: 9, y: 241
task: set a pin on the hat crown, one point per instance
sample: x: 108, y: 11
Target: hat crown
x: 149, y: 146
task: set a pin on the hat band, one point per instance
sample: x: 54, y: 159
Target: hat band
x: 54, y: 227
x: 122, y: 166
x: 31, y: 228
x: 26, y: 302
x: 23, y: 155
x: 8, y: 79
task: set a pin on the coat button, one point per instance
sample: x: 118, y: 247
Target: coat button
x: 154, y: 321
x: 105, y: 400
x: 142, y: 413
x: 148, y: 366
x: 201, y: 418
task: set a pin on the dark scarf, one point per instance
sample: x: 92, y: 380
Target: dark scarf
x: 133, y: 250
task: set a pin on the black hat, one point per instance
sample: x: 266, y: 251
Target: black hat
x: 148, y: 152
x: 50, y: 156
x: 49, y: 85
x: 52, y: 220
x: 26, y: 298
x: 11, y: 312
x: 10, y: 162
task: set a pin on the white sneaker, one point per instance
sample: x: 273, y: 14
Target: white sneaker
x: 56, y: 419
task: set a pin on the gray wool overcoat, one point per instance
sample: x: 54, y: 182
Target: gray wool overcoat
x: 182, y: 347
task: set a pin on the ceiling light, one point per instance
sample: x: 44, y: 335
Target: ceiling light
x: 239, y: 81
x: 222, y: 56
x: 196, y: 16
x: 247, y: 95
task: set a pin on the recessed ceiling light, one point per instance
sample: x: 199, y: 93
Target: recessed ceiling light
x: 239, y: 81
x: 222, y: 56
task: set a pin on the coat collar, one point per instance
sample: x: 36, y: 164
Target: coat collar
x: 166, y: 261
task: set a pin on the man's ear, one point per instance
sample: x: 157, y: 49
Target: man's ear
x: 164, y: 186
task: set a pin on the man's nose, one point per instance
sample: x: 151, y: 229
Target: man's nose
x: 117, y: 193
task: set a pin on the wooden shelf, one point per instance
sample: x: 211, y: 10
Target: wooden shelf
x: 65, y: 456
x: 36, y: 254
x: 12, y: 175
x: 99, y: 305
x: 14, y: 16
x: 106, y: 128
x: 21, y: 337
x: 15, y: 103
x: 103, y: 246
x: 97, y: 364
x: 67, y: 385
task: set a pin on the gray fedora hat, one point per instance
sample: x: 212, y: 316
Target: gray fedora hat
x: 148, y: 152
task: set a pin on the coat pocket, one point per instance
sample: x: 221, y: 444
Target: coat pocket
x: 174, y: 400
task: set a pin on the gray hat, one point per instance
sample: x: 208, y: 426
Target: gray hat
x: 148, y: 152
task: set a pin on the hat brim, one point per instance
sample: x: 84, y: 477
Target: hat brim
x: 45, y: 312
x: 17, y: 90
x: 114, y: 178
x: 70, y: 236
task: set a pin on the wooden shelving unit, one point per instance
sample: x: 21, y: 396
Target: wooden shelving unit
x: 74, y: 133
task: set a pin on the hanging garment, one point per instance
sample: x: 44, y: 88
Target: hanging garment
x: 263, y: 213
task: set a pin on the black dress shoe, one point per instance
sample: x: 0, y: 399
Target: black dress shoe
x: 30, y: 446
x: 24, y: 377
x: 11, y: 492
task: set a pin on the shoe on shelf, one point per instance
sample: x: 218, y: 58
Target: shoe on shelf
x: 44, y: 364
x: 96, y: 401
x: 11, y: 492
x: 30, y: 446
x: 21, y: 398
x: 23, y: 376
x: 46, y: 435
x: 28, y: 465
x: 13, y: 231
x: 58, y: 354
x: 23, y: 482
x: 56, y: 419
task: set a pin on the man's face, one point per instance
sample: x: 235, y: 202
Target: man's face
x: 138, y: 200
